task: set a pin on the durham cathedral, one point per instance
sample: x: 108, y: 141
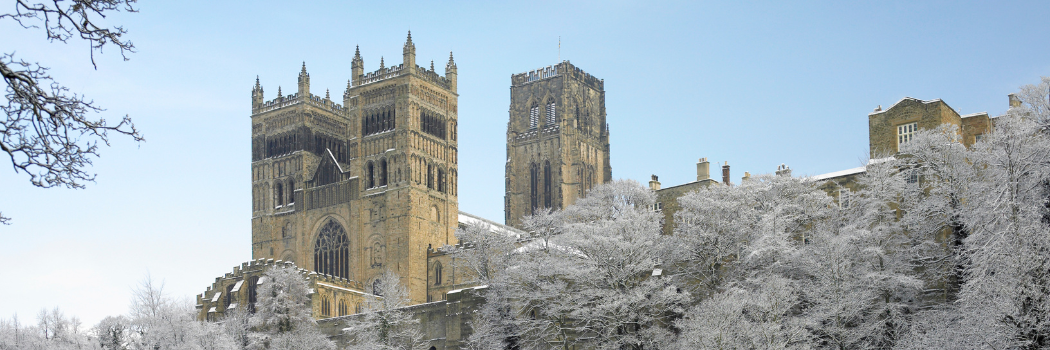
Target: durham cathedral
x: 344, y: 190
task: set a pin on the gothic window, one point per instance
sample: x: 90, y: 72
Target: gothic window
x: 229, y: 297
x: 905, y: 132
x: 291, y: 191
x: 441, y: 180
x: 377, y: 288
x: 377, y: 256
x: 551, y: 118
x: 547, y: 184
x: 332, y: 251
x: 534, y: 116
x: 533, y: 188
x: 437, y: 273
x: 430, y: 176
x: 382, y: 172
x: 326, y: 306
x: 370, y: 175
x: 278, y: 194
x: 253, y: 293
x: 432, y: 124
x: 343, y: 310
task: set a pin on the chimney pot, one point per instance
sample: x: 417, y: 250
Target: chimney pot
x: 725, y: 173
x: 703, y: 170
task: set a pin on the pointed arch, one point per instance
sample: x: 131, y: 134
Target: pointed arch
x: 533, y: 188
x: 370, y: 179
x: 381, y: 172
x: 278, y: 195
x: 437, y: 273
x: 547, y: 184
x: 332, y: 250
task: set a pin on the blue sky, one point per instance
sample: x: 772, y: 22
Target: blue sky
x: 756, y: 84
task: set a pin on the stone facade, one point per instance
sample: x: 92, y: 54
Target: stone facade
x: 557, y: 139
x: 886, y: 127
x: 667, y: 198
x: 352, y: 189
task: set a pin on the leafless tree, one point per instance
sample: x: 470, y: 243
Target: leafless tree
x: 48, y: 132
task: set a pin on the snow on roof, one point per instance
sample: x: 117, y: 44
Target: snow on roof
x: 463, y: 289
x: 852, y: 171
x: 467, y: 219
x: 974, y: 114
x: 839, y: 173
x: 215, y: 298
x: 904, y: 99
x: 237, y: 287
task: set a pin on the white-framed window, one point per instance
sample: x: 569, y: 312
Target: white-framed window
x: 534, y: 117
x: 905, y: 132
x: 844, y: 198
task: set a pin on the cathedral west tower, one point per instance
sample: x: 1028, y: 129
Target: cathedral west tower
x: 557, y: 139
x: 350, y: 190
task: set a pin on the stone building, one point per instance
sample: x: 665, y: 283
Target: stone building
x: 557, y: 139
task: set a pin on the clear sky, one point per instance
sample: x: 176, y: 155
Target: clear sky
x: 756, y: 84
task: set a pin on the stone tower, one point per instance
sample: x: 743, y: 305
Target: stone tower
x: 352, y: 189
x: 557, y: 139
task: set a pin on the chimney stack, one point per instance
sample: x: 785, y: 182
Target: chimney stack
x: 703, y: 170
x: 783, y: 170
x: 654, y: 184
x: 1014, y: 101
x: 725, y: 173
x: 747, y: 177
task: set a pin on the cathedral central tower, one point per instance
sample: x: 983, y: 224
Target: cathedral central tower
x: 350, y: 190
x: 557, y: 139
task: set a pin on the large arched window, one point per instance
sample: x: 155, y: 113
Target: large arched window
x: 382, y: 172
x: 533, y: 188
x: 343, y: 309
x: 332, y: 251
x: 253, y: 293
x: 441, y: 180
x: 229, y: 296
x: 547, y: 184
x: 326, y: 306
x: 437, y: 273
x: 291, y: 191
x: 278, y: 195
x: 370, y: 175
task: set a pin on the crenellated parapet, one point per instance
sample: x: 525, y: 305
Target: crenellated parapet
x: 563, y: 69
x: 294, y: 99
x: 237, y: 289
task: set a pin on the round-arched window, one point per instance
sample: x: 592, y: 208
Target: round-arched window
x: 332, y: 251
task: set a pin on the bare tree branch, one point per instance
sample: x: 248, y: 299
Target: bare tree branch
x: 47, y: 132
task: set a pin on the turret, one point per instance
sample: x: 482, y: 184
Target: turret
x: 304, y: 82
x: 409, y: 55
x: 357, y: 68
x: 257, y: 95
x: 450, y: 72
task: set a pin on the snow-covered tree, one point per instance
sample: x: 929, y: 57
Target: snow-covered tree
x: 283, y: 318
x: 590, y: 274
x: 385, y: 325
x: 485, y: 254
